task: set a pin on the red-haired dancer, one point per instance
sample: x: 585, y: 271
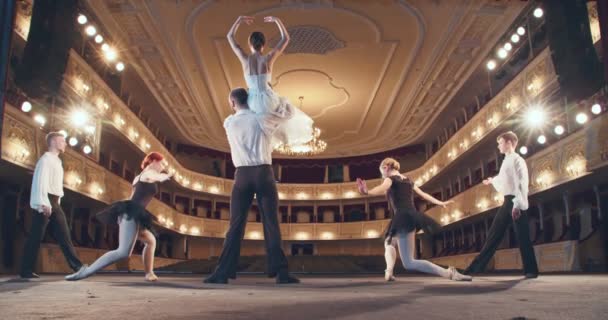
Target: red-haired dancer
x: 134, y: 221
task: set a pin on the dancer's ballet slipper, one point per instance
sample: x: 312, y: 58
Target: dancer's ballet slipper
x: 151, y: 277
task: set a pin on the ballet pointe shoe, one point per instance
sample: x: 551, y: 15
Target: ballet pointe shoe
x: 457, y: 276
x: 151, y: 277
x: 388, y: 276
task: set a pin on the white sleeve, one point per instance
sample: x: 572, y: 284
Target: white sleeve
x: 40, y: 185
x: 521, y: 171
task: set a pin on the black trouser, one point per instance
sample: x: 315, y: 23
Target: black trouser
x: 59, y: 230
x: 258, y: 180
x: 497, y: 231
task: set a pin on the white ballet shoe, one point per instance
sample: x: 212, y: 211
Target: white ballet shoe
x: 388, y: 276
x: 78, y: 275
x: 457, y: 276
x: 151, y: 277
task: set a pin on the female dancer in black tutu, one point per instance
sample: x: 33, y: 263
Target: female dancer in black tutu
x: 134, y: 221
x: 406, y: 221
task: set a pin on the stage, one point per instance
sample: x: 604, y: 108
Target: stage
x: 127, y: 296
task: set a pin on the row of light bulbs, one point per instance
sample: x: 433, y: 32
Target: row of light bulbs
x: 535, y: 117
x: 503, y: 51
x: 40, y: 119
x: 109, y: 52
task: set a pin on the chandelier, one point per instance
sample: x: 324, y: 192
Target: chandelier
x: 313, y: 146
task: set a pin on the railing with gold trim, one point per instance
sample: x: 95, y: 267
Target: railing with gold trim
x: 564, y: 161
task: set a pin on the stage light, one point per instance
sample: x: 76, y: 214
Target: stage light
x: 538, y: 12
x: 559, y: 130
x: 82, y: 19
x: 542, y: 139
x: 73, y: 141
x: 90, y: 30
x: 110, y: 54
x: 98, y: 38
x: 105, y: 47
x: 596, y: 109
x: 120, y: 66
x: 515, y: 38
x: 491, y: 65
x: 535, y: 117
x: 87, y: 149
x: 523, y: 150
x: 64, y: 133
x: 26, y: 106
x: 502, y: 53
x: 40, y: 119
x: 79, y: 118
x: 90, y: 129
x: 521, y: 31
x: 508, y: 46
x: 581, y: 118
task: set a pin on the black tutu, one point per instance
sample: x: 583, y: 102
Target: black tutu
x: 408, y: 220
x: 131, y: 209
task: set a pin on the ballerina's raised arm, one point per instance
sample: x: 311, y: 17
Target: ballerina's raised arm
x: 240, y: 53
x: 280, y: 47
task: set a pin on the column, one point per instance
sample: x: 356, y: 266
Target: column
x: 345, y: 173
x: 566, y: 200
x: 326, y: 177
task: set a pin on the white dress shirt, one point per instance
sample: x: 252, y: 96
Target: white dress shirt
x: 48, y: 179
x: 512, y: 179
x: 250, y: 135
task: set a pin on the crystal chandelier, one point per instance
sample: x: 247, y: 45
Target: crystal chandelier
x: 313, y: 146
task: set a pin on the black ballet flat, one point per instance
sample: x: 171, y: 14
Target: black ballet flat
x: 285, y: 278
x: 216, y: 278
x: 30, y: 275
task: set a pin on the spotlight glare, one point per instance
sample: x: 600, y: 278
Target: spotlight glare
x: 90, y: 30
x: 535, y: 117
x: 73, y: 141
x: 515, y: 38
x: 523, y: 150
x: 120, y: 66
x: 502, y: 53
x: 491, y: 65
x: 538, y: 12
x: 82, y: 19
x: 87, y: 149
x: 542, y: 139
x: 559, y: 130
x: 110, y: 54
x: 508, y: 46
x: 90, y: 129
x: 521, y: 31
x: 79, y: 118
x: 98, y: 38
x: 40, y: 119
x: 581, y: 118
x: 596, y: 109
x: 105, y: 47
x: 26, y: 106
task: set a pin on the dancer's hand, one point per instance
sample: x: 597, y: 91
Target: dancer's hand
x: 362, y: 186
x: 247, y: 19
x: 516, y: 213
x: 46, y: 210
x: 445, y: 203
x: 487, y: 181
x: 271, y: 19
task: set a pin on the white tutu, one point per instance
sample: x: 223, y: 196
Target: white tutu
x: 262, y: 99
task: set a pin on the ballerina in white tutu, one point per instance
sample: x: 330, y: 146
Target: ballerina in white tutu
x: 257, y: 68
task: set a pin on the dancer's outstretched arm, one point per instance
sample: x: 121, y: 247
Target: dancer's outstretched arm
x: 375, y: 191
x: 430, y: 198
x: 152, y: 176
x: 282, y: 43
x: 240, y: 53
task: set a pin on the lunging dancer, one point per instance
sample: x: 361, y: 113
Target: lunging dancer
x: 406, y: 221
x: 134, y: 221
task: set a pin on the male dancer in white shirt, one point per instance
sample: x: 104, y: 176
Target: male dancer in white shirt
x: 47, y: 190
x: 512, y: 182
x: 250, y: 136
